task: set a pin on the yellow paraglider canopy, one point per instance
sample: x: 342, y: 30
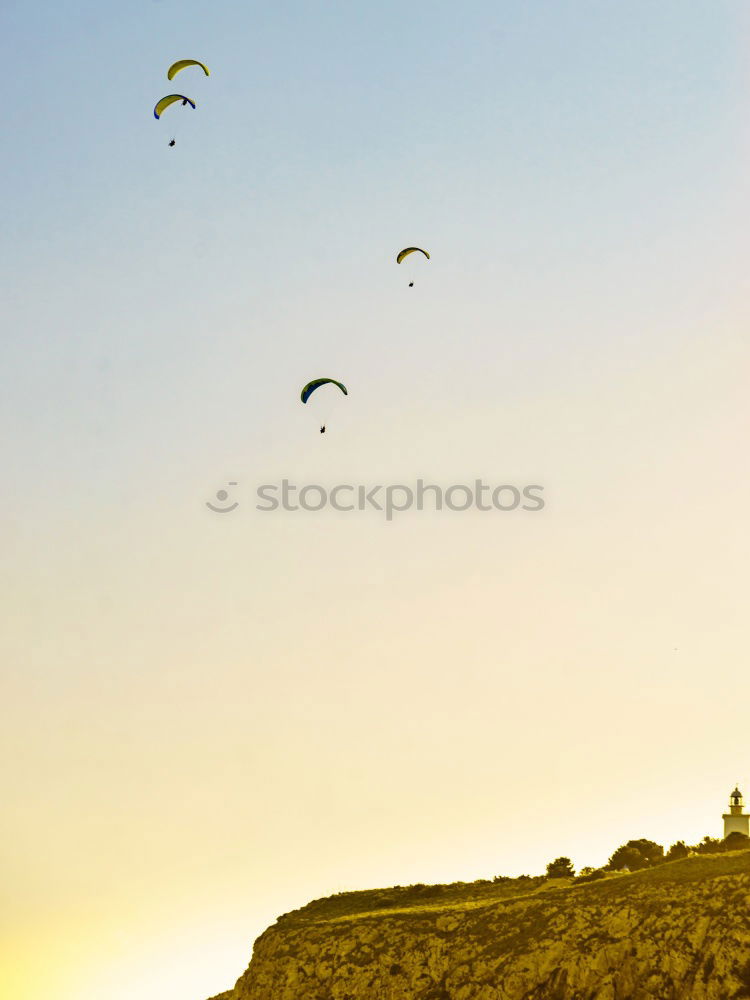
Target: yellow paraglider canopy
x: 175, y: 68
x: 171, y: 99
x: 407, y: 250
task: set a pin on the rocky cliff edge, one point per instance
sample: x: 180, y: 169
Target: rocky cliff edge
x: 680, y: 931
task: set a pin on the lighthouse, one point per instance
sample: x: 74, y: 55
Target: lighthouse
x: 736, y: 821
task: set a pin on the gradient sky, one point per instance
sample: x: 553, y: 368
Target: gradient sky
x: 211, y: 719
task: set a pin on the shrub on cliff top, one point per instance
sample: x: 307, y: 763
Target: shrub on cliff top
x: 709, y: 845
x: 736, y: 841
x: 677, y: 851
x: 591, y: 875
x: 636, y: 854
x: 560, y: 868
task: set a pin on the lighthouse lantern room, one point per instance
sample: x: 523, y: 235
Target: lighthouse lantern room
x: 736, y: 820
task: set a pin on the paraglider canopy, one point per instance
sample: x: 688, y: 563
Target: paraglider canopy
x: 316, y: 383
x: 165, y: 102
x: 407, y: 250
x: 181, y: 64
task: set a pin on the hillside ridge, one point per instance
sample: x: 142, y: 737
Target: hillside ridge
x: 677, y: 930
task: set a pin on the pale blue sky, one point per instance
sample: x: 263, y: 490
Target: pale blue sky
x: 213, y: 719
x: 553, y: 156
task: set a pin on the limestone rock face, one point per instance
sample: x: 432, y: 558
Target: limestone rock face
x: 680, y: 931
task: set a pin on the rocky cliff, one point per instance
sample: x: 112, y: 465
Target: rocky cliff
x: 680, y: 931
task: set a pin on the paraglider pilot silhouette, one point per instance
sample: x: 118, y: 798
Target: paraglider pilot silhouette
x: 403, y: 254
x: 165, y: 102
x: 316, y: 383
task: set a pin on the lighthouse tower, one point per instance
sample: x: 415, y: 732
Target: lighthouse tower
x: 736, y: 821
